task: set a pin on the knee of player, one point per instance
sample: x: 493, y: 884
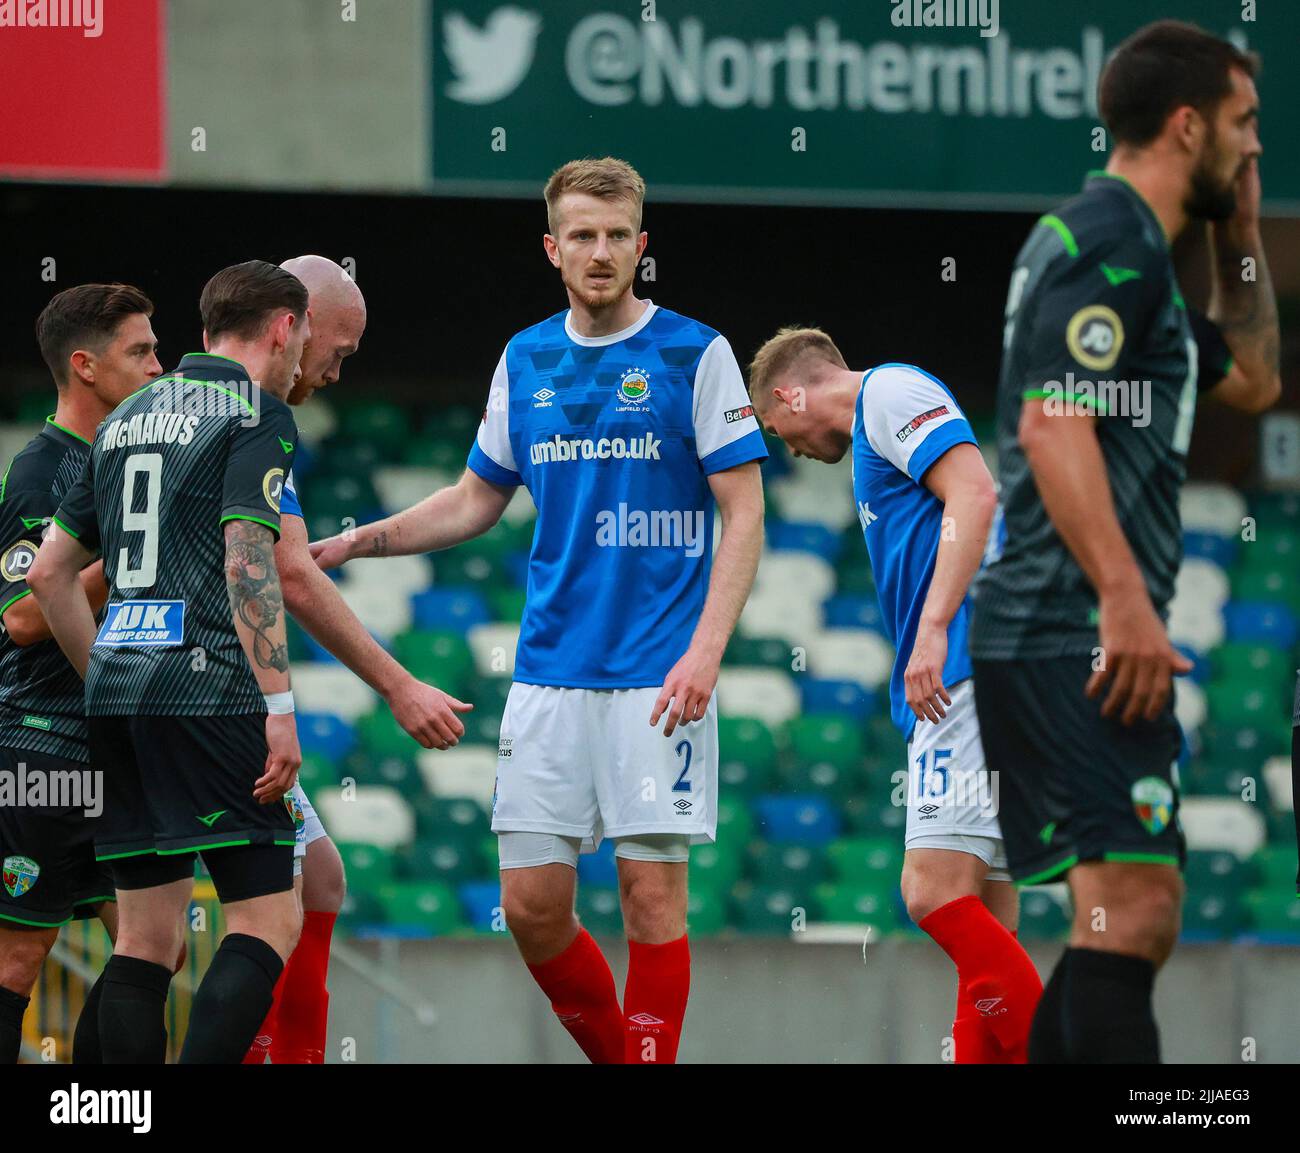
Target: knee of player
x: 528, y: 914
x: 21, y: 958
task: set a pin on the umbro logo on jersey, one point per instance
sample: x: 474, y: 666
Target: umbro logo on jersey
x: 212, y: 818
x: 912, y: 425
x: 143, y: 624
x: 682, y: 806
x: 542, y: 397
x: 645, y: 1020
x: 928, y: 811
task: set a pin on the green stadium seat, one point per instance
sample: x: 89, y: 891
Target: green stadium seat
x: 365, y: 866
x: 474, y: 570
x: 599, y: 911
x: 767, y: 910
x: 440, y: 657
x: 360, y: 908
x: 873, y: 903
x: 447, y: 456
x: 1239, y: 705
x: 1275, y: 585
x: 340, y: 494
x: 1276, y: 868
x: 735, y: 822
x: 706, y: 912
x: 488, y: 694
x: 381, y: 736
x: 834, y: 781
x: 1274, y: 912
x: 317, y: 772
x: 758, y: 652
x: 507, y: 604
x: 717, y: 866
x: 451, y: 857
x: 1245, y: 747
x: 789, y: 866
x: 747, y: 755
x: 874, y: 815
x: 1216, y: 871
x: 1275, y: 545
x: 833, y: 739
x: 1217, y: 915
x: 450, y: 816
x: 1042, y: 915
x: 1251, y: 664
x: 864, y: 860
x: 379, y: 422
x: 424, y: 906
x: 395, y: 769
x: 455, y: 423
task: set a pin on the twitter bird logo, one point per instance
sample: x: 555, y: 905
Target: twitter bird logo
x: 492, y: 61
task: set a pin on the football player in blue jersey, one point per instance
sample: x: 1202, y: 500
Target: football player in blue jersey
x: 926, y: 502
x: 627, y: 423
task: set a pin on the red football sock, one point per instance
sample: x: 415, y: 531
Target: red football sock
x: 260, y: 1049
x: 654, y: 1002
x: 996, y: 981
x: 303, y: 1010
x: 581, y: 991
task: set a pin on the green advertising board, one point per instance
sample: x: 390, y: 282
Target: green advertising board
x: 915, y: 103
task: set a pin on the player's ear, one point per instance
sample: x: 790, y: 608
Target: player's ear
x: 552, y: 249
x: 83, y: 366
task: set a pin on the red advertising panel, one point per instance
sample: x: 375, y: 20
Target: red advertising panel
x: 83, y: 89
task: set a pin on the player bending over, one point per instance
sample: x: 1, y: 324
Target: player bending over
x: 925, y: 501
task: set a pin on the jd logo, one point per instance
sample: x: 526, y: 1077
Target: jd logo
x: 17, y: 560
x: 492, y: 61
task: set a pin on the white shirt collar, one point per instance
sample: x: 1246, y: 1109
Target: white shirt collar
x: 614, y: 337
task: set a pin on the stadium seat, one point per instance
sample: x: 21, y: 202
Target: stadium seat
x: 1212, y: 547
x: 599, y: 868
x: 1273, y: 916
x: 779, y: 613
x: 454, y: 816
x: 842, y: 698
x: 401, y: 486
x: 451, y: 857
x: 481, y: 903
x: 1264, y: 624
x: 794, y: 866
x: 851, y: 654
x: 1278, y: 779
x: 1201, y: 582
x: 394, y: 576
x: 453, y: 569
x: 717, y: 866
x: 463, y: 771
x: 830, y: 738
x: 383, y: 614
x: 706, y: 911
x: 507, y: 604
x: 838, y: 782
x: 441, y: 657
x: 766, y: 910
x: 1216, y: 870
x: 782, y: 571
x: 1198, y: 626
x: 396, y: 770
x: 804, y: 536
x: 449, y: 609
x: 379, y: 735
x: 873, y: 903
x: 1189, y: 704
x: 1252, y: 663
x: 599, y: 910
x: 768, y: 694
x: 758, y: 652
x: 367, y: 866
x: 1238, y: 705
x: 325, y: 735
x: 1222, y: 823
x: 493, y: 646
x: 1044, y: 913
x: 847, y: 611
x: 331, y: 689
x: 317, y: 772
x: 735, y: 823
x: 425, y: 907
x: 371, y: 813
x: 1212, y: 508
x: 864, y: 860
x: 379, y: 422
x: 805, y: 820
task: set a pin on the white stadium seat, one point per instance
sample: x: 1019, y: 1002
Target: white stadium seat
x: 398, y: 576
x: 382, y: 613
x: 400, y: 487
x: 768, y: 694
x: 1201, y: 582
x: 1213, y: 508
x: 1279, y: 783
x: 469, y: 771
x: 1199, y: 626
x: 375, y: 814
x: 1189, y: 704
x: 521, y: 509
x: 493, y: 646
x: 788, y: 569
x: 1223, y: 823
x: 783, y: 613
x: 316, y: 421
x: 329, y: 688
x: 851, y: 655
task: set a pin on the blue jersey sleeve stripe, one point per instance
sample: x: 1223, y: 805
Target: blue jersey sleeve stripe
x: 937, y: 443
x: 483, y: 465
x: 746, y: 448
x: 289, y: 505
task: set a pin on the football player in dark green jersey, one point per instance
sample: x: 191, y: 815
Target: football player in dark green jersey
x: 1103, y: 365
x: 100, y: 347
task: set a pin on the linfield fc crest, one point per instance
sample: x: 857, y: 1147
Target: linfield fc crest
x: 20, y: 874
x: 1153, y: 801
x: 634, y: 387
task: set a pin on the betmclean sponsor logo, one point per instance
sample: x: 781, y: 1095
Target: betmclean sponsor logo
x: 78, y: 1106
x: 912, y: 425
x: 149, y: 428
x: 653, y: 528
x: 981, y: 14
x: 32, y: 788
x: 88, y: 15
x: 143, y: 623
x: 564, y: 448
x: 734, y: 414
x: 612, y: 59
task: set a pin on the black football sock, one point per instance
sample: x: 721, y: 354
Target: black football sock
x: 12, y: 1007
x: 1108, y: 1014
x: 133, y: 1012
x: 85, y: 1039
x: 1047, y: 1034
x: 232, y: 1001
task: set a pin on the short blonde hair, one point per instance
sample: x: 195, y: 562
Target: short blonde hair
x: 786, y: 349
x: 608, y: 178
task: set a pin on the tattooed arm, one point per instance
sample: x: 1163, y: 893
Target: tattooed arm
x: 449, y: 517
x: 1242, y: 303
x: 256, y: 602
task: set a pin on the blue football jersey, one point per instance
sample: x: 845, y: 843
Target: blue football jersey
x: 905, y: 420
x: 615, y: 438
x: 289, y: 503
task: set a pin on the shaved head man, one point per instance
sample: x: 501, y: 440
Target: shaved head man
x: 338, y: 318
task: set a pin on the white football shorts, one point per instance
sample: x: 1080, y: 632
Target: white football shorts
x: 585, y: 763
x: 306, y: 824
x: 952, y: 800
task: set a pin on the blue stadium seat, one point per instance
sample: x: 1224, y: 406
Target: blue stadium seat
x: 853, y: 612
x: 802, y: 819
x: 480, y: 900
x: 1222, y: 550
x: 806, y: 537
x: 1255, y: 623
x: 325, y: 735
x: 453, y: 609
x: 843, y: 698
x: 599, y: 868
x: 1201, y: 668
